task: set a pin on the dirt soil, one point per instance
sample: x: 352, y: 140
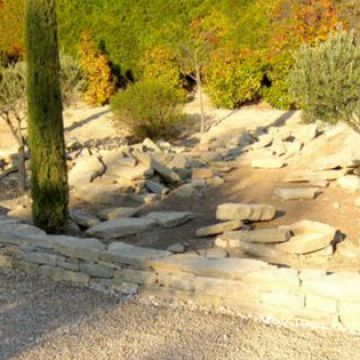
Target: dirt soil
x: 40, y: 320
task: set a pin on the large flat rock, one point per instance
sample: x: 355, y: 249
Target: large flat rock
x: 219, y: 228
x: 309, y: 236
x: 251, y: 212
x: 235, y: 239
x: 305, y: 193
x: 122, y: 253
x: 169, y: 219
x: 122, y: 227
x: 230, y: 268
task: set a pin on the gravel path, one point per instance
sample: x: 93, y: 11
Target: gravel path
x: 41, y: 321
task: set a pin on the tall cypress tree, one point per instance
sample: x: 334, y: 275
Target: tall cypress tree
x: 45, y: 121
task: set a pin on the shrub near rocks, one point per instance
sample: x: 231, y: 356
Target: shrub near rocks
x: 149, y: 108
x: 326, y: 79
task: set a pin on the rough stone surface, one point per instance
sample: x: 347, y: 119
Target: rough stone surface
x: 169, y: 219
x: 270, y: 163
x: 350, y: 183
x: 255, y: 236
x: 156, y: 188
x: 84, y: 219
x: 342, y: 285
x: 202, y: 173
x: 122, y: 227
x: 218, y: 267
x: 307, y: 193
x: 309, y: 236
x: 122, y: 253
x: 97, y: 270
x: 135, y: 277
x: 165, y: 172
x: 86, y: 249
x: 117, y: 212
x: 219, y: 228
x: 177, y: 248
x: 251, y: 212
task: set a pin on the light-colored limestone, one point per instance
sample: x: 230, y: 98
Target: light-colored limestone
x: 121, y: 253
x: 219, y: 228
x: 169, y: 219
x: 251, y: 212
x: 307, y: 193
x: 121, y: 227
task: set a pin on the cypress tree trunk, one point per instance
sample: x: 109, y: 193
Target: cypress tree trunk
x: 46, y: 130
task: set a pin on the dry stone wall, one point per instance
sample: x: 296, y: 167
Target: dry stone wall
x: 246, y: 285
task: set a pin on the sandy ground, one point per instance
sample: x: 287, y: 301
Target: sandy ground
x: 42, y: 321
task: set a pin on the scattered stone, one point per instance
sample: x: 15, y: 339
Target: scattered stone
x: 85, y: 170
x: 267, y: 163
x: 185, y: 191
x: 319, y: 183
x: 121, y: 227
x: 215, y: 181
x: 219, y: 228
x: 309, y: 236
x: 156, y: 187
x: 235, y: 239
x: 202, y: 173
x: 99, y: 193
x: 297, y: 193
x: 264, y: 141
x: 342, y: 160
x: 148, y: 144
x: 169, y: 219
x: 250, y: 212
x: 117, y: 212
x: 165, y: 172
x: 213, y: 253
x: 350, y: 183
x: 139, y: 172
x: 310, y: 176
x: 177, y: 248
x: 84, y: 219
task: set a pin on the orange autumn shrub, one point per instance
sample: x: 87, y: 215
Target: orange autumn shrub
x: 97, y: 72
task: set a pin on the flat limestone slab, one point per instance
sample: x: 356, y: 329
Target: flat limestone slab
x: 230, y: 268
x: 300, y: 176
x: 169, y: 219
x: 122, y: 253
x: 84, y: 219
x: 267, y: 163
x: 235, y: 239
x: 309, y: 236
x: 307, y: 193
x: 219, y: 228
x: 117, y: 212
x: 122, y: 227
x: 349, y: 183
x: 251, y: 212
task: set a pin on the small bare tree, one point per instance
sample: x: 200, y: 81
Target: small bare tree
x: 191, y: 59
x: 13, y: 112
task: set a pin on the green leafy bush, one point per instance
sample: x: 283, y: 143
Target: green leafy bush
x: 149, y: 108
x: 233, y: 78
x: 73, y: 84
x: 325, y: 81
x: 276, y: 87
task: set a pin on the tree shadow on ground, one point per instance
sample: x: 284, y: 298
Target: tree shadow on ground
x: 89, y: 119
